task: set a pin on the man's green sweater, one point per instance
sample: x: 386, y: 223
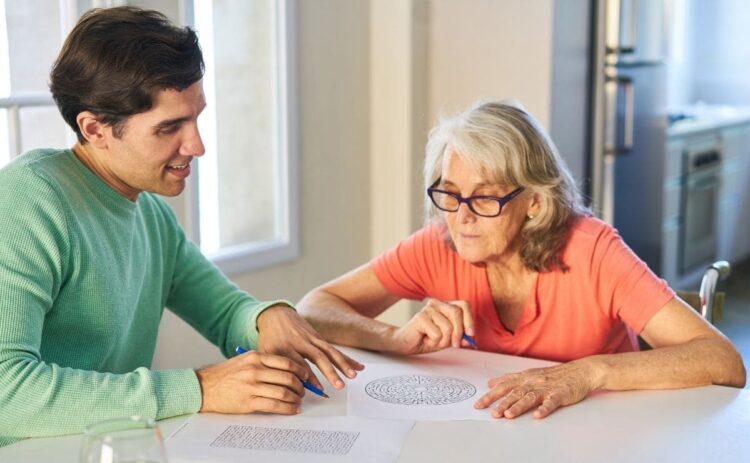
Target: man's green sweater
x: 84, y: 276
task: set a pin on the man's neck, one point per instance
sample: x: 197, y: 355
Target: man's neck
x: 89, y: 157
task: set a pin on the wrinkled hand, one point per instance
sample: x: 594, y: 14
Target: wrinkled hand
x: 252, y: 382
x: 547, y: 389
x: 284, y: 332
x: 437, y: 326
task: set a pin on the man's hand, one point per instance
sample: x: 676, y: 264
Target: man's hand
x: 284, y: 332
x: 545, y: 389
x: 437, y: 326
x: 252, y: 382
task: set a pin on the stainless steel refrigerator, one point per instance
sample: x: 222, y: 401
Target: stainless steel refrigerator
x: 629, y: 121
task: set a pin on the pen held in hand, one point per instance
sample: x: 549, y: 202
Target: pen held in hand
x: 306, y: 384
x: 470, y: 341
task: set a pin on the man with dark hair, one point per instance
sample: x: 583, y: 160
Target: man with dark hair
x: 89, y: 256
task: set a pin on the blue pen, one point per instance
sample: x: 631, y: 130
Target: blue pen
x: 470, y: 340
x: 307, y: 385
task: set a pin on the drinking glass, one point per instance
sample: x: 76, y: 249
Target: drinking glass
x: 132, y: 439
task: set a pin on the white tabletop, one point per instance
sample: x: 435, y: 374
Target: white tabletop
x: 707, y: 424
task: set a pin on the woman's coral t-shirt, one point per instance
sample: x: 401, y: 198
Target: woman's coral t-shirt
x: 583, y: 311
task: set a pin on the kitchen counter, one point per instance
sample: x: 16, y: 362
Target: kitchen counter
x: 704, y: 117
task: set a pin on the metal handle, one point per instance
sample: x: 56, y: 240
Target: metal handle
x: 716, y: 272
x: 621, y: 27
x: 705, y: 160
x: 612, y: 86
x: 629, y: 90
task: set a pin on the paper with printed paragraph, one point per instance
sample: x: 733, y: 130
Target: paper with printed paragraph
x: 216, y: 438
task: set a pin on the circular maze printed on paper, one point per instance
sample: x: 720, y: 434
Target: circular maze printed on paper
x: 420, y: 390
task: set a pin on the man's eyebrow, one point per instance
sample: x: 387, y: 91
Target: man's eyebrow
x: 170, y: 123
x: 173, y: 122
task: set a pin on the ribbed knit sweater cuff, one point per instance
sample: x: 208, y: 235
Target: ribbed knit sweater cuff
x: 177, y: 392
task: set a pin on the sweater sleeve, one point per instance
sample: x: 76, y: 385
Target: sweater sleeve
x: 208, y: 301
x: 40, y: 398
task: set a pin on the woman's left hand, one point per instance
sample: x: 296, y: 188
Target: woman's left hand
x: 545, y: 389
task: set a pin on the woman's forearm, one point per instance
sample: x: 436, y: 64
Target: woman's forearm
x: 698, y: 362
x: 338, y: 322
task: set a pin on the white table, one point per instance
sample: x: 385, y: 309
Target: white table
x: 707, y: 424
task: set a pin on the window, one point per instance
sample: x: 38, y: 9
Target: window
x: 246, y: 198
x: 242, y: 207
x: 30, y: 36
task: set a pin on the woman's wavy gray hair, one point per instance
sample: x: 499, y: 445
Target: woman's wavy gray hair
x: 509, y: 144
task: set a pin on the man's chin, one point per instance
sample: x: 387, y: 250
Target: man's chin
x: 171, y: 191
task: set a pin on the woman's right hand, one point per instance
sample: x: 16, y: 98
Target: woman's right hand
x: 253, y: 382
x: 437, y: 326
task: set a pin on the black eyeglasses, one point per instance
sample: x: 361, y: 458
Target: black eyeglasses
x: 485, y: 206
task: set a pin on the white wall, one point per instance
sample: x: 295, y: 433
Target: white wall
x: 490, y: 50
x: 397, y: 98
x: 333, y: 48
x: 534, y: 51
x: 720, y: 51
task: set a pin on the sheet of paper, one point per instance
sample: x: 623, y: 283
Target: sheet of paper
x: 432, y: 393
x: 215, y: 438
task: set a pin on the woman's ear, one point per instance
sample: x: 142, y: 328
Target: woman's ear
x: 534, y: 207
x: 92, y: 129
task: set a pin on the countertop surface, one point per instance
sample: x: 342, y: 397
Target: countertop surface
x: 704, y: 117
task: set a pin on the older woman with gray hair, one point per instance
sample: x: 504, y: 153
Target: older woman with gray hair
x: 511, y: 261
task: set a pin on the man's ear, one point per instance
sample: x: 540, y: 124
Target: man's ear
x: 92, y: 129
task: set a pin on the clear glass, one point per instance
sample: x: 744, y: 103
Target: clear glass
x: 5, y: 156
x: 34, y: 37
x: 245, y: 60
x: 239, y: 176
x: 43, y: 127
x: 123, y: 440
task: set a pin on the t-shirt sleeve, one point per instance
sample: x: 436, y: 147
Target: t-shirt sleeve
x: 625, y: 286
x: 409, y: 269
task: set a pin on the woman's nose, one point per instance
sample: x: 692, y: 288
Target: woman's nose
x: 464, y: 214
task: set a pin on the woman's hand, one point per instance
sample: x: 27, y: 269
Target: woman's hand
x: 284, y: 332
x: 437, y: 326
x: 252, y: 382
x: 545, y: 389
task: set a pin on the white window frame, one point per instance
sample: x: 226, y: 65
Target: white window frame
x: 285, y: 247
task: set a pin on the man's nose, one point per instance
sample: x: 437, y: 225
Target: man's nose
x: 193, y: 145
